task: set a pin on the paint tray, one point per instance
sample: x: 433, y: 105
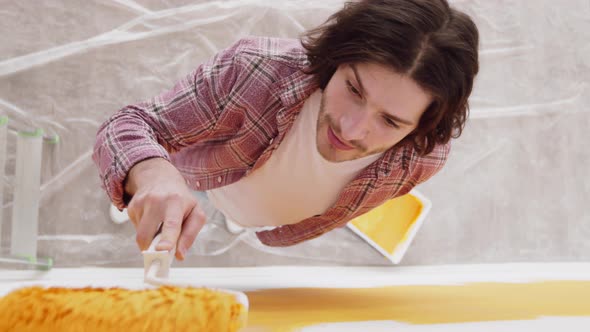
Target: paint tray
x: 391, y: 227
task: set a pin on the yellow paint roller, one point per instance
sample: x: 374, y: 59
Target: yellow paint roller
x: 172, y: 306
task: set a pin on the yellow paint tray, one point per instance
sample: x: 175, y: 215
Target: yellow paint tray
x: 391, y: 227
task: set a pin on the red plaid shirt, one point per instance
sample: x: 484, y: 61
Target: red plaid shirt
x: 226, y: 118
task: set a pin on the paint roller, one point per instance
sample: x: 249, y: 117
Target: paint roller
x: 171, y: 306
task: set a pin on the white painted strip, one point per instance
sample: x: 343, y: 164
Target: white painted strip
x: 252, y: 278
x: 569, y: 324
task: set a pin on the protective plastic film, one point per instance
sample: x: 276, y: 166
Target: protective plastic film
x: 514, y: 189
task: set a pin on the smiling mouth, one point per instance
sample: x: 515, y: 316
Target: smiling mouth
x: 337, y: 142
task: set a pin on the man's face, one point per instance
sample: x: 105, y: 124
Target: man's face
x: 367, y: 108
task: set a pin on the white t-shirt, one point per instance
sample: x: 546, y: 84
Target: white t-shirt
x: 294, y: 184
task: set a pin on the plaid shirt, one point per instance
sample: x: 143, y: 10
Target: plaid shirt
x: 226, y: 118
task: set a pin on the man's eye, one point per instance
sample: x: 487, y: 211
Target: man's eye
x: 390, y: 122
x: 352, y: 89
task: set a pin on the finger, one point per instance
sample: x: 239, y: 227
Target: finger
x: 152, y: 216
x: 190, y: 229
x: 134, y: 213
x: 172, y: 223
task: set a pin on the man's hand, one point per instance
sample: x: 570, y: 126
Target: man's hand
x: 161, y: 196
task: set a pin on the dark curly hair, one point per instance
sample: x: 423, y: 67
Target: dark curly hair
x: 426, y: 40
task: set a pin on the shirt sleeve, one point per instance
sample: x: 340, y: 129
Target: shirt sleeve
x: 184, y: 115
x: 432, y: 163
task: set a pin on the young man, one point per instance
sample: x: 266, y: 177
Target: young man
x: 301, y: 136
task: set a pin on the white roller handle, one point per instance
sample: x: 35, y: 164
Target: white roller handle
x: 25, y: 210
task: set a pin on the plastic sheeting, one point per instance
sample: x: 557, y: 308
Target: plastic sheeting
x: 515, y: 188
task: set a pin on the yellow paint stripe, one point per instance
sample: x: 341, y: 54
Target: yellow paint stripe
x: 284, y: 310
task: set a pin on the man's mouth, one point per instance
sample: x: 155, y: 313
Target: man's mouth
x: 337, y: 142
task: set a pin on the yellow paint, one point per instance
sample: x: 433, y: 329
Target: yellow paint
x: 286, y: 310
x: 387, y: 225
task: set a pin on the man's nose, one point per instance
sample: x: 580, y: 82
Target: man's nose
x: 355, y: 125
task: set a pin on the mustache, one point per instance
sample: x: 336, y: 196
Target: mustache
x: 338, y: 131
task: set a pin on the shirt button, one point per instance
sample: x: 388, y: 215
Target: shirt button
x: 219, y: 179
x: 198, y: 184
